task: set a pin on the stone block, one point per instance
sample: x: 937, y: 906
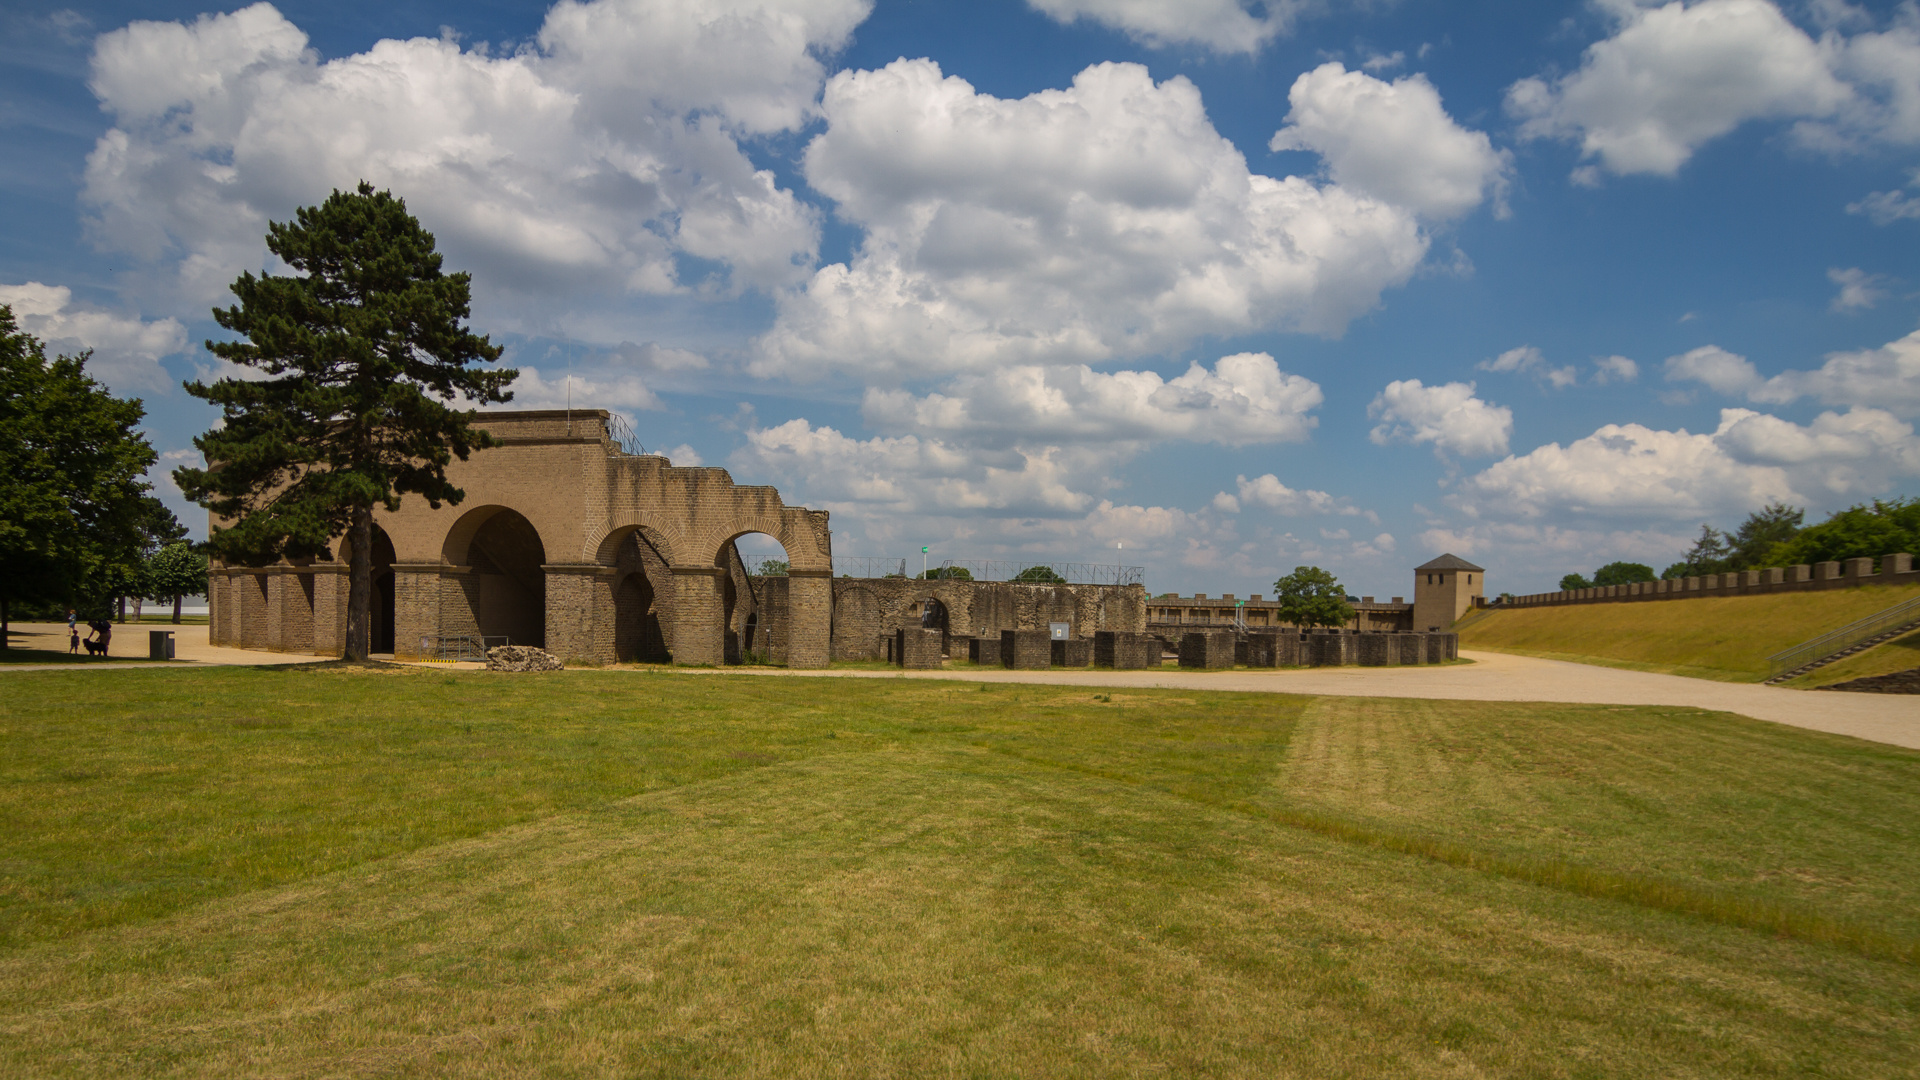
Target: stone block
x: 1413, y: 648
x: 1072, y: 652
x: 1207, y: 649
x: 984, y: 650
x: 1437, y: 648
x: 1378, y: 650
x: 1826, y: 571
x: 1330, y: 649
x: 1125, y: 650
x: 917, y: 649
x: 1026, y: 650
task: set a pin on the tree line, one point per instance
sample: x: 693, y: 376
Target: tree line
x: 1777, y: 535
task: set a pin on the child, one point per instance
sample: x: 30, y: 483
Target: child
x: 73, y: 640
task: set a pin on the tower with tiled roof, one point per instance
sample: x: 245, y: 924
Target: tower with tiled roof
x: 1443, y: 590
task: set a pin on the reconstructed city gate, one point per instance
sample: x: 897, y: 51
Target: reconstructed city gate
x: 566, y: 542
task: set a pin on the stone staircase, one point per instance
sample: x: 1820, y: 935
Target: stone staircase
x: 1852, y: 638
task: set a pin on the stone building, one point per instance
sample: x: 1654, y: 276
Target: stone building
x: 566, y: 542
x: 1443, y: 590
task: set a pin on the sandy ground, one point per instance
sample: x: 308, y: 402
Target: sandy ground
x: 1887, y: 718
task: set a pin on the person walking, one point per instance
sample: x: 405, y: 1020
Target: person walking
x: 73, y: 639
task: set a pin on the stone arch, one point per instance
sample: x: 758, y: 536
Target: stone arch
x: 500, y: 586
x: 664, y: 536
x: 754, y: 608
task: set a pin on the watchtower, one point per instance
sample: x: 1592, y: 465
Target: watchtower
x: 1443, y: 590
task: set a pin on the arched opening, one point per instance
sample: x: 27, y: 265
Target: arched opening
x: 641, y: 615
x: 934, y: 617
x: 753, y: 599
x: 506, y: 587
x: 380, y: 633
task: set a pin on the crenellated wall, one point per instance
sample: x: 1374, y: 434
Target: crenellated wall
x: 1892, y: 570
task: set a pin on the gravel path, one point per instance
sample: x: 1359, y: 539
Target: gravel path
x: 1886, y: 718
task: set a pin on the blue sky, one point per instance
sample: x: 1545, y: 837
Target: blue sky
x: 1216, y: 287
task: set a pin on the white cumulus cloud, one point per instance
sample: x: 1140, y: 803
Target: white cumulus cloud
x: 1393, y: 141
x: 1245, y: 399
x: 1072, y: 226
x: 126, y: 349
x: 1225, y: 26
x: 1885, y: 378
x: 593, y: 163
x: 1626, y: 471
x: 1269, y: 492
x: 1677, y: 75
x: 1448, y: 416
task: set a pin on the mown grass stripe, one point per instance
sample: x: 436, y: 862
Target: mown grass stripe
x: 1660, y: 894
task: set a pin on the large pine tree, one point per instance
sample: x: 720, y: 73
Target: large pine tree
x: 362, y: 352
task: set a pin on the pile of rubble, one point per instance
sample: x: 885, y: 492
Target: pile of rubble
x: 521, y: 658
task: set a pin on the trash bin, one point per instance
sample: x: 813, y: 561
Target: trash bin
x: 159, y: 644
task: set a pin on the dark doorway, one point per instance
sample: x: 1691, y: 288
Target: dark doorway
x: 509, y: 586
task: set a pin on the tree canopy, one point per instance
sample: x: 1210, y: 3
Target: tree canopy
x: 1040, y: 575
x: 174, y: 572
x: 1622, y: 573
x: 1864, y: 531
x: 76, y: 519
x: 1312, y: 597
x: 363, y: 350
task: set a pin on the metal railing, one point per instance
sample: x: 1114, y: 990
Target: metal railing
x: 453, y: 648
x: 869, y: 566
x: 1068, y: 572
x: 1809, y: 652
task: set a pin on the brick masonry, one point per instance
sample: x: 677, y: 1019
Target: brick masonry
x: 917, y: 649
x: 867, y: 612
x: 984, y: 650
x: 1071, y: 652
x: 1125, y: 650
x: 1207, y: 649
x: 1026, y: 650
x: 559, y: 537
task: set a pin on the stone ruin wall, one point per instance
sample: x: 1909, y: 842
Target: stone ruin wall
x: 867, y: 612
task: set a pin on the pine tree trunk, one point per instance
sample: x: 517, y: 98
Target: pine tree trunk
x: 360, y: 583
x: 176, y: 610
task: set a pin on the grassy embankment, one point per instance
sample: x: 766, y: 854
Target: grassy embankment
x: 407, y: 872
x: 1726, y: 638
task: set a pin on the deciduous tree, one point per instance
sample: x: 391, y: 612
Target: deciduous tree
x: 1312, y: 597
x: 74, y: 511
x: 362, y: 352
x: 176, y: 571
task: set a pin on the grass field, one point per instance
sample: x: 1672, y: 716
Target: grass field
x: 1727, y: 638
x: 397, y: 872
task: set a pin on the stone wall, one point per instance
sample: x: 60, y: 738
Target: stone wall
x: 1892, y: 570
x: 867, y: 612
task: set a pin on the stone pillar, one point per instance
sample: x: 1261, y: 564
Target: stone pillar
x: 580, y: 613
x: 296, y: 630
x: 1859, y: 570
x: 1896, y: 564
x: 330, y: 610
x: 1826, y: 571
x: 276, y: 589
x: 220, y: 607
x: 416, y: 611
x: 697, y: 609
x: 253, y: 609
x: 809, y: 617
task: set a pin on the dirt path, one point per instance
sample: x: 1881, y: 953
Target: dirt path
x: 1887, y: 718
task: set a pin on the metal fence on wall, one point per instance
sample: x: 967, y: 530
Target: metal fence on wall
x: 880, y: 566
x: 1071, y: 573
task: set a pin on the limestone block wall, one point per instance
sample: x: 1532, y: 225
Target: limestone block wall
x: 1207, y: 649
x: 867, y: 611
x: 1896, y: 569
x: 1026, y: 650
